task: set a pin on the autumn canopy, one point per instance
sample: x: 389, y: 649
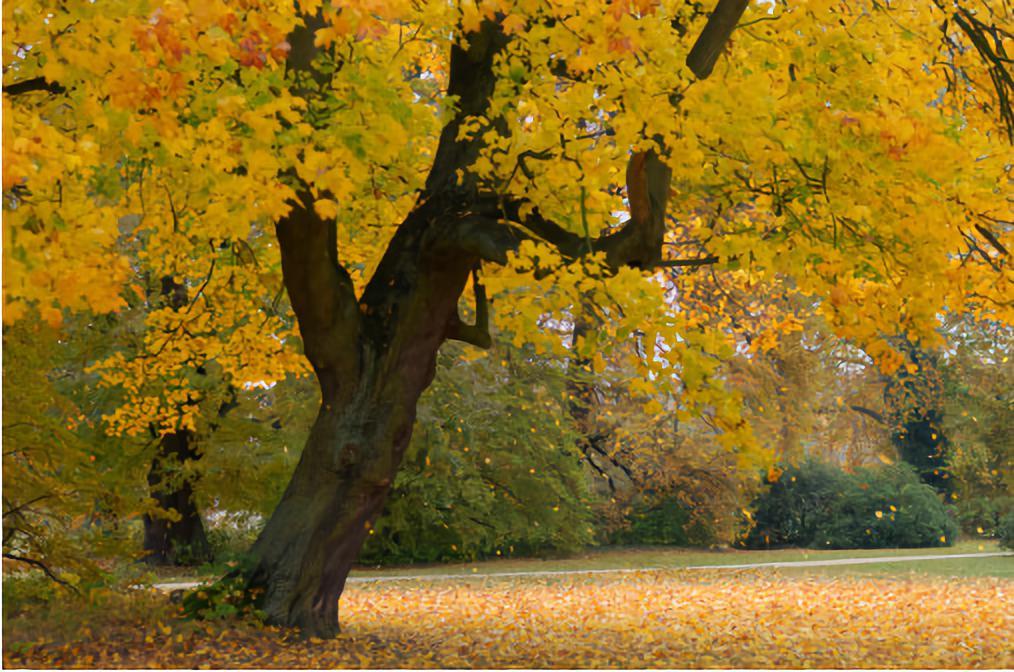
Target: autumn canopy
x: 415, y: 171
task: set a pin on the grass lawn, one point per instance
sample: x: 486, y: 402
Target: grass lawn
x: 666, y: 557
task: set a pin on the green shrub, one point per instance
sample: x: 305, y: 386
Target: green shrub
x: 663, y: 523
x: 790, y: 511
x: 820, y: 506
x: 486, y: 474
x: 980, y: 516
x: 886, y: 507
x: 1005, y: 531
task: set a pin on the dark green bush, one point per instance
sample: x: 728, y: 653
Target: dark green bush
x: 1005, y: 531
x: 490, y: 471
x: 886, y: 507
x: 659, y: 524
x: 820, y: 506
x: 790, y: 511
x: 980, y: 516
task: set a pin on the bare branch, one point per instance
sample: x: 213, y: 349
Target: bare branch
x: 700, y: 261
x: 40, y: 565
x: 993, y: 240
x: 869, y: 413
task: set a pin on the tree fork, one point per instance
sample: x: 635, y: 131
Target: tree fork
x: 373, y: 358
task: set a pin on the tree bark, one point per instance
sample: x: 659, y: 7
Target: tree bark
x: 182, y: 541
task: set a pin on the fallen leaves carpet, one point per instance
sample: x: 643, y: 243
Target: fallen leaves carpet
x: 650, y: 619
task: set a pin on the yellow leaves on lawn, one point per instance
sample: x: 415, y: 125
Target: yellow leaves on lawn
x: 649, y: 619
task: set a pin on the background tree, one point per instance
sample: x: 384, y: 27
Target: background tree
x: 68, y: 489
x: 979, y: 423
x: 914, y: 395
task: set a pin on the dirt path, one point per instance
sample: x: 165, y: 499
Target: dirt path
x: 571, y: 572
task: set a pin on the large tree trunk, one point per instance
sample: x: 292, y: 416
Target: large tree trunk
x: 336, y: 493
x: 353, y: 453
x: 373, y: 355
x: 166, y: 541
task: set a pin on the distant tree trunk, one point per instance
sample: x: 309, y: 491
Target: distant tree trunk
x: 182, y: 541
x: 916, y: 408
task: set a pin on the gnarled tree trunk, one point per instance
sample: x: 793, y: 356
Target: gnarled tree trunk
x: 355, y: 448
x: 375, y: 354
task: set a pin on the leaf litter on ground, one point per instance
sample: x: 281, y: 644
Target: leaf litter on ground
x: 657, y: 619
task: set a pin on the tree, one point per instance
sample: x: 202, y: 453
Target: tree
x: 914, y: 396
x: 68, y: 489
x: 979, y: 423
x: 500, y: 139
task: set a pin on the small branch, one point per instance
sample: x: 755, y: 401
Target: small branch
x: 475, y: 334
x: 602, y: 472
x: 869, y: 413
x: 595, y: 442
x: 40, y: 565
x: 25, y: 505
x: 700, y: 261
x: 993, y: 240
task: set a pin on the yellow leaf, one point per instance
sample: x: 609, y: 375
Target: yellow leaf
x: 513, y: 23
x: 326, y: 208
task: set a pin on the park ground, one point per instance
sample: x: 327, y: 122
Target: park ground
x: 931, y: 613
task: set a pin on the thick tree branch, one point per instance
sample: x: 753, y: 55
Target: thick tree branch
x: 320, y: 289
x: 447, y: 228
x: 708, y: 47
x: 321, y: 293
x: 637, y: 243
x: 33, y: 84
x: 472, y: 82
